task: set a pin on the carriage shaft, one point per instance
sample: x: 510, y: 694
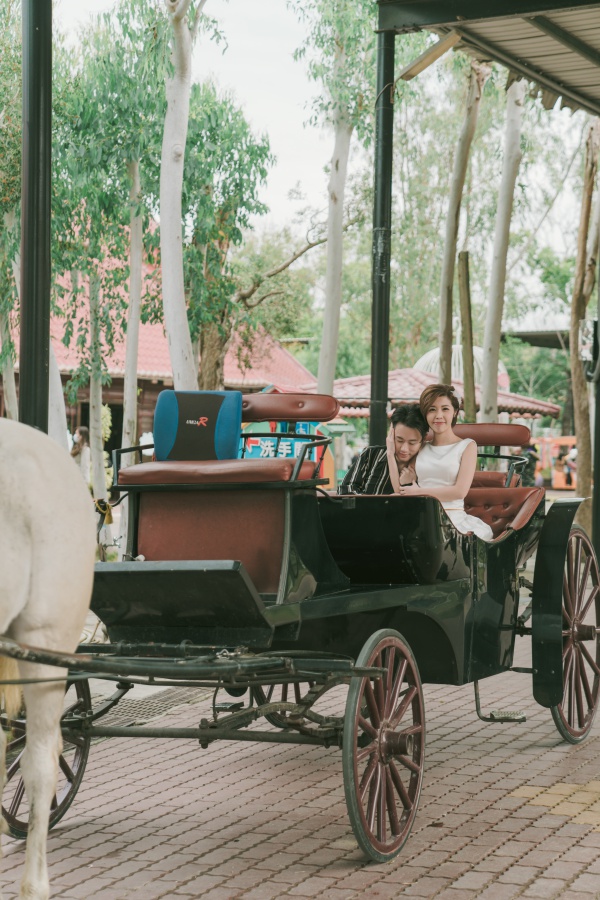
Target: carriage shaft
x: 203, y: 735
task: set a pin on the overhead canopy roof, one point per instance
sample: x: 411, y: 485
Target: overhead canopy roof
x: 554, y: 44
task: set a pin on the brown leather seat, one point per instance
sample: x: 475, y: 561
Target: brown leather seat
x: 504, y: 508
x: 214, y: 471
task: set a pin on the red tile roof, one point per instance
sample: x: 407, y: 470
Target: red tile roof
x: 270, y: 363
x: 406, y: 385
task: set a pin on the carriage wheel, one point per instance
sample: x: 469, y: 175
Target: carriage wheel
x: 581, y: 640
x: 71, y: 765
x: 384, y: 747
x: 280, y: 693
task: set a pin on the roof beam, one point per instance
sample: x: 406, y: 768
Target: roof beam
x: 429, y: 56
x: 413, y: 15
x: 566, y: 38
x: 492, y: 51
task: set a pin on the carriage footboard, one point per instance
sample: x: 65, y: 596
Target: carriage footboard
x: 209, y: 602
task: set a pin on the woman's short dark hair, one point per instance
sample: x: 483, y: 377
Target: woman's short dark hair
x: 410, y: 415
x: 433, y: 392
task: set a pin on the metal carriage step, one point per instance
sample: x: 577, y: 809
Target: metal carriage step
x: 497, y: 715
x: 507, y: 715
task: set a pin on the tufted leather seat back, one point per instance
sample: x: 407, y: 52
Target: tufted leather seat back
x: 483, y: 479
x: 502, y: 508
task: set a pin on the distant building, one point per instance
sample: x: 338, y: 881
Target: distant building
x: 268, y: 363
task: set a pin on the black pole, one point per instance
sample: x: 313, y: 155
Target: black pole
x: 34, y: 356
x: 382, y: 227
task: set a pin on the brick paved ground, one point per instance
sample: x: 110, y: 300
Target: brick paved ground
x: 506, y: 811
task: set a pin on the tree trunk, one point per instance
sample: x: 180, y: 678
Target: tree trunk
x: 582, y: 289
x: 464, y: 290
x: 171, y: 181
x: 11, y: 404
x: 130, y: 385
x: 214, y: 340
x: 96, y: 442
x: 515, y: 98
x: 335, y: 245
x: 57, y: 412
x: 479, y: 75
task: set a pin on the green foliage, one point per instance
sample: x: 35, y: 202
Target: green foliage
x: 225, y: 167
x: 10, y: 107
x: 110, y: 116
x: 340, y: 53
x: 10, y: 159
x: 540, y: 372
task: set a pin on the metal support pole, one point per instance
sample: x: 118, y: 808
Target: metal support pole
x: 382, y: 227
x: 34, y: 355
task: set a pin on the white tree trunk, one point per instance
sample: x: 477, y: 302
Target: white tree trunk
x: 129, y: 434
x: 515, y: 98
x: 335, y: 246
x: 185, y: 375
x: 479, y: 75
x: 585, y: 272
x: 96, y: 443
x: 11, y: 404
x: 57, y: 412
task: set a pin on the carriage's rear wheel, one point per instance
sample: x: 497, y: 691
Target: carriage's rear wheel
x: 384, y: 747
x: 72, y: 762
x: 280, y: 693
x: 574, y: 715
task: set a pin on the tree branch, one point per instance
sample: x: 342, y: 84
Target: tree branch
x: 555, y: 197
x: 260, y: 299
x: 177, y: 9
x: 243, y: 295
x: 196, y: 21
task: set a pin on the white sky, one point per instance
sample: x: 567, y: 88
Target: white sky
x: 258, y: 68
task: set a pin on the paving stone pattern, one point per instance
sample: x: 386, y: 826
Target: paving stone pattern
x: 506, y: 811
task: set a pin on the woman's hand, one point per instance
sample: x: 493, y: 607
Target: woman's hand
x: 406, y: 489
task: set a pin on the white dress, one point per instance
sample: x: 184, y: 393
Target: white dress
x: 438, y: 467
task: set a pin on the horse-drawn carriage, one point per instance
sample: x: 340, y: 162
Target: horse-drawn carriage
x: 245, y: 576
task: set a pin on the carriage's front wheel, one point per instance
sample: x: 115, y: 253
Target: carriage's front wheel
x: 574, y: 715
x: 71, y: 764
x: 384, y: 747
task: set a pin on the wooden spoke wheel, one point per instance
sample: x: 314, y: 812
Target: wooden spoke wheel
x: 384, y: 747
x: 280, y: 693
x: 71, y: 765
x: 581, y: 640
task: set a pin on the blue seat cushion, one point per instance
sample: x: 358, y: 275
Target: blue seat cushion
x: 197, y: 425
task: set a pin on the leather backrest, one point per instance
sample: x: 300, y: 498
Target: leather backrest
x: 494, y: 434
x: 482, y: 479
x: 289, y: 407
x: 197, y: 425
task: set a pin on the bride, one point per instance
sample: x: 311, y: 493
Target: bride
x: 445, y: 466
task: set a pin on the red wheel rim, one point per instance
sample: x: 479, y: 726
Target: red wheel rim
x: 581, y: 642
x: 389, y: 736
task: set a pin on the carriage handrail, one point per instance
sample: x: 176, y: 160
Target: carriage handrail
x: 517, y: 464
x: 116, y: 458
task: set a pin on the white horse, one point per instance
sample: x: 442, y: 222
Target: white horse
x: 47, y: 547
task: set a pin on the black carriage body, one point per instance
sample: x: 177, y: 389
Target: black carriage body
x: 452, y: 596
x: 350, y: 566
